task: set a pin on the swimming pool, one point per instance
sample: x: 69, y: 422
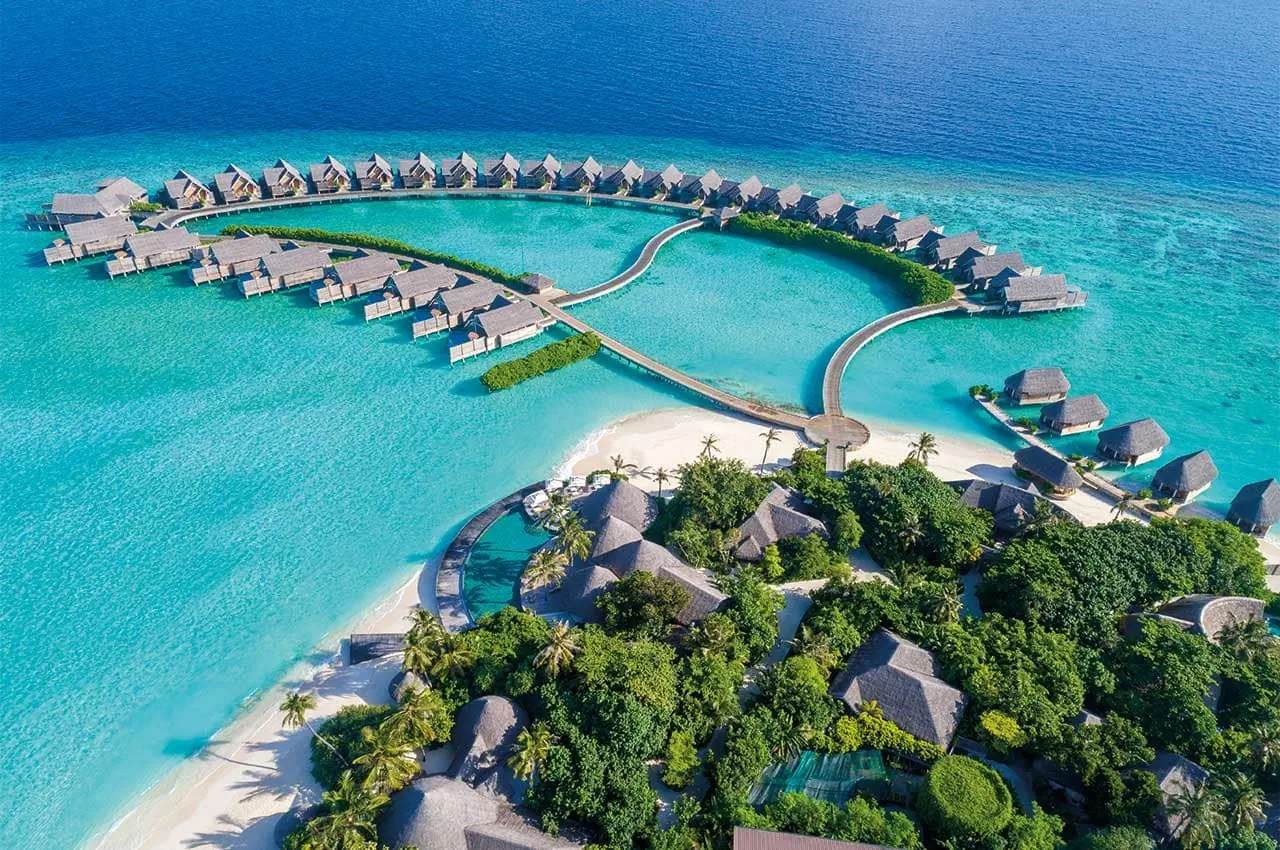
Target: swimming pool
x: 491, y: 580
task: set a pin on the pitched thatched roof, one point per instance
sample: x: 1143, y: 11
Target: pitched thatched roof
x: 620, y: 499
x: 577, y: 593
x: 161, y: 242
x: 1257, y: 503
x: 1134, y: 438
x: 97, y: 229
x: 1175, y: 775
x: 423, y: 279
x: 243, y: 248
x: 468, y: 296
x: 1076, y: 410
x: 372, y: 266
x: 295, y: 260
x: 1039, y: 382
x: 1048, y: 467
x: 1186, y: 473
x: 611, y: 533
x: 404, y: 680
x: 908, y: 229
x: 484, y: 736
x: 1011, y: 507
x: 990, y: 265
x: 759, y: 839
x: 433, y: 814
x: 904, y: 680
x: 950, y: 247
x: 781, y: 514
x: 1206, y: 614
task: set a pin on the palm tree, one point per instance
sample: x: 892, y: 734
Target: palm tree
x: 1266, y: 747
x: 1248, y: 641
x: 789, y: 742
x: 710, y: 443
x: 1198, y: 810
x: 1243, y: 803
x: 923, y: 446
x: 420, y: 652
x: 388, y: 761
x: 557, y: 510
x: 945, y: 603
x: 573, y: 539
x: 426, y: 624
x: 713, y: 635
x: 903, y: 573
x: 621, y: 466
x: 558, y: 654
x: 662, y: 477
x: 533, y: 744
x: 295, y: 707
x: 815, y: 645
x: 455, y: 656
x: 1122, y: 505
x: 545, y: 568
x: 771, y: 436
x: 911, y: 532
x: 348, y: 820
x: 420, y: 714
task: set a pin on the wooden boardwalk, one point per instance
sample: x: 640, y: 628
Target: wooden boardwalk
x: 639, y: 267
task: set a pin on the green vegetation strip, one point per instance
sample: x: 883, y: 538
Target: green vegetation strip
x: 550, y: 357
x: 374, y: 243
x: 923, y: 285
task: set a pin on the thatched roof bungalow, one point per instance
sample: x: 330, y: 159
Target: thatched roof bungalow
x: 234, y: 185
x: 979, y: 270
x: 946, y: 251
x: 1074, y: 415
x: 1256, y: 507
x: 1056, y: 477
x: 418, y: 173
x: 1207, y: 615
x: 705, y: 189
x: 580, y: 176
x: 660, y: 184
x: 285, y: 269
x: 1176, y: 776
x: 1133, y: 442
x: 537, y: 282
x: 779, y: 201
x: 282, y: 180
x: 905, y: 234
x: 742, y: 193
x: 330, y: 176
x: 459, y: 172
x: 185, y: 192
x: 620, y: 180
x: 1011, y: 508
x: 540, y: 173
x: 1020, y: 294
x: 1186, y: 477
x: 781, y: 514
x: 502, y: 173
x: 865, y: 222
x: 620, y: 500
x: 374, y: 173
x: 153, y: 250
x: 1037, y: 386
x: 820, y: 211
x: 90, y: 237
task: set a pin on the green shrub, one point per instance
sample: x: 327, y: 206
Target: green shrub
x: 343, y: 732
x: 375, y: 243
x: 1114, y: 838
x: 1001, y: 732
x: 964, y: 799
x: 550, y: 357
x: 682, y: 760
x: 811, y: 557
x: 869, y: 730
x: 921, y: 285
x: 145, y: 206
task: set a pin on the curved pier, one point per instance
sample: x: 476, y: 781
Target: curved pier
x: 639, y: 267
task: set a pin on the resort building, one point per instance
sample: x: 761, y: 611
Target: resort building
x: 540, y: 173
x: 905, y: 234
x: 620, y: 180
x: 410, y: 290
x: 782, y: 514
x: 418, y: 173
x: 1186, y: 477
x: 90, y: 237
x: 459, y: 173
x: 231, y: 257
x: 537, y: 283
x: 580, y: 176
x: 820, y: 211
x: 452, y: 307
x: 944, y: 252
x: 905, y: 680
x: 234, y: 185
x: 185, y: 192
x: 1018, y: 295
x: 492, y: 329
x: 1074, y: 415
x: 1176, y: 776
x: 1037, y: 386
x: 114, y: 196
x: 282, y: 180
x: 1057, y: 478
x: 374, y: 173
x: 660, y: 184
x: 363, y: 274
x: 759, y: 839
x: 700, y: 190
x: 780, y: 202
x: 153, y: 250
x: 865, y: 222
x: 502, y: 173
x: 979, y: 270
x: 741, y: 194
x: 1011, y: 508
x: 330, y: 176
x: 1256, y: 507
x: 1205, y: 614
x: 285, y: 269
x: 1133, y: 442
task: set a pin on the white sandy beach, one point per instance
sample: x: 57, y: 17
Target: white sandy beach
x: 232, y: 794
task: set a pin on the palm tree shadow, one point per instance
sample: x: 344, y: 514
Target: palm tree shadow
x: 236, y: 835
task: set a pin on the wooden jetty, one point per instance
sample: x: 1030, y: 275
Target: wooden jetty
x: 639, y: 267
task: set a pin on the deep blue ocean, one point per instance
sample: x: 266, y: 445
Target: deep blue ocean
x: 197, y: 491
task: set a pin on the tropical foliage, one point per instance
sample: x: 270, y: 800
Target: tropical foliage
x: 552, y: 356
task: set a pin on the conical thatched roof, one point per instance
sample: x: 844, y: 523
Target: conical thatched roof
x: 1047, y: 466
x: 1257, y: 503
x: 484, y: 736
x: 620, y: 499
x: 781, y: 514
x: 611, y: 533
x: 579, y: 590
x: 434, y: 813
x: 1076, y: 410
x: 1186, y: 473
x: 1043, y: 381
x: 1134, y: 438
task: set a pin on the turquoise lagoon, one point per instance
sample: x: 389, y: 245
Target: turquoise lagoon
x: 200, y: 490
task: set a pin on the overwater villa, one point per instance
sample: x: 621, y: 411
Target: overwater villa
x: 502, y: 173
x: 1074, y: 415
x: 580, y: 176
x: 1133, y: 442
x: 1056, y: 477
x: 865, y: 222
x: 661, y: 184
x: 231, y: 257
x: 410, y: 290
x: 905, y: 680
x: 1037, y: 386
x: 619, y: 180
x: 1256, y: 507
x: 979, y: 271
x: 489, y: 330
x: 418, y: 173
x: 1184, y: 478
x: 330, y: 176
x: 820, y: 211
x: 282, y: 180
x: 374, y: 173
x: 234, y: 185
x: 365, y: 273
x: 459, y: 173
x: 781, y: 514
x: 90, y: 237
x: 743, y: 193
x: 452, y: 307
x: 153, y: 250
x: 114, y: 196
x: 1011, y: 508
x: 540, y: 173
x: 285, y: 269
x: 780, y: 202
x: 1020, y: 295
x: 906, y: 234
x: 185, y: 192
x: 537, y: 282
x: 944, y: 252
x: 700, y: 190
